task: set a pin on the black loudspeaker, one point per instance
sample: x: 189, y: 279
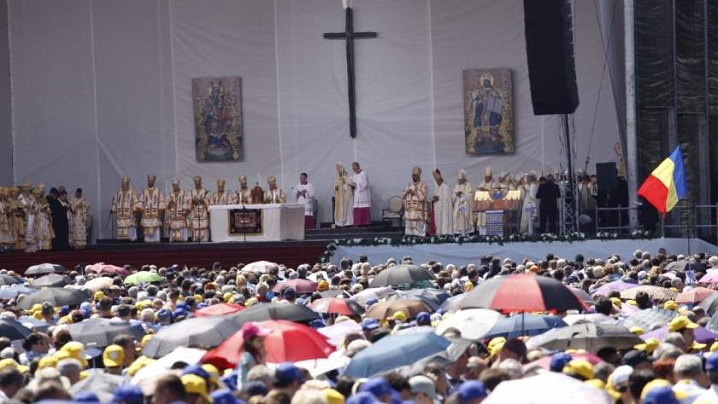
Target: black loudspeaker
x: 549, y: 50
x: 607, y: 176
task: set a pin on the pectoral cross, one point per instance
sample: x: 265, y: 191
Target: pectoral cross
x: 349, y: 35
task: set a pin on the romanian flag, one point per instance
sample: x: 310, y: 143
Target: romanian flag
x: 667, y: 183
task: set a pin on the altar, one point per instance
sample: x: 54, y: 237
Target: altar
x: 270, y: 222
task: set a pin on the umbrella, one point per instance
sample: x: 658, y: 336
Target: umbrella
x: 647, y: 318
x: 190, y: 356
x: 713, y: 323
x: 50, y: 281
x: 710, y: 278
x: 524, y: 324
x: 700, y: 334
x: 709, y: 304
x: 99, y: 332
x: 99, y: 382
x: 13, y: 291
x: 678, y: 266
x: 694, y: 295
x: 98, y: 283
x: 102, y: 268
x: 334, y: 305
x: 617, y: 286
x: 34, y: 324
x: 472, y: 323
x: 56, y: 296
x: 582, y: 294
x: 452, y: 304
x: 275, y: 311
x: 400, y: 275
x: 301, y: 286
x: 433, y: 298
x: 202, y: 332
x: 387, y: 308
x: 260, y: 266
x: 335, y: 333
x: 372, y: 293
x: 143, y: 277
x: 547, y: 388
x: 218, y: 310
x: 8, y: 280
x: 333, y: 293
x: 589, y: 336
x: 42, y: 269
x: 286, y: 342
x: 658, y: 293
x: 572, y: 319
x: 545, y: 361
x: 13, y: 329
x: 521, y: 293
x: 394, y: 351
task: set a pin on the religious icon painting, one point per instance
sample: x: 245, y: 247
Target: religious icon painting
x: 218, y: 118
x: 488, y: 112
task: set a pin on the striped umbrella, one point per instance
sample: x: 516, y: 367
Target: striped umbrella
x: 617, y: 286
x: 646, y: 318
x: 658, y: 293
x: 523, y: 293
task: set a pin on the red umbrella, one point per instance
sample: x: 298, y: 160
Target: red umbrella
x: 523, y: 293
x: 218, y: 310
x: 335, y: 305
x: 694, y: 295
x: 102, y: 268
x: 287, y: 342
x: 301, y: 286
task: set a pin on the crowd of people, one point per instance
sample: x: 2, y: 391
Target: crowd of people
x: 680, y: 366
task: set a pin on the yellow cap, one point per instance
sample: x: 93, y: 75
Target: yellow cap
x: 661, y: 383
x: 399, y: 316
x: 99, y: 295
x: 579, y: 367
x: 213, y: 373
x: 632, y: 302
x: 649, y: 346
x: 698, y: 346
x: 113, y: 356
x: 47, y: 362
x: 597, y: 383
x: 496, y: 345
x: 10, y: 363
x: 251, y: 301
x: 616, y: 301
x: 198, y: 298
x: 468, y: 286
x: 138, y: 364
x: 333, y: 397
x: 227, y: 297
x: 714, y: 347
x: 636, y: 330
x: 60, y: 355
x: 194, y: 384
x: 670, y: 305
x: 681, y: 322
x: 322, y: 286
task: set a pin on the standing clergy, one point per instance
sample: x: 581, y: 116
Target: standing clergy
x: 243, y: 195
x: 528, y: 212
x: 304, y: 193
x: 414, y: 197
x: 7, y: 237
x: 222, y: 196
x: 274, y: 194
x: 152, y: 207
x: 43, y: 223
x: 178, y: 204
x: 462, y: 196
x: 343, y: 198
x: 489, y: 185
x: 442, y: 206
x: 17, y: 223
x: 123, y: 207
x: 362, y: 196
x: 79, y: 220
x: 199, y: 211
x: 27, y: 206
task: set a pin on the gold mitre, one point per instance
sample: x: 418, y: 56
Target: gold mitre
x: 242, y: 178
x: 220, y: 181
x: 197, y: 179
x: 26, y: 186
x: 416, y: 171
x: 151, y: 177
x: 175, y: 181
x: 125, y: 180
x: 488, y: 172
x: 271, y: 179
x: 462, y: 173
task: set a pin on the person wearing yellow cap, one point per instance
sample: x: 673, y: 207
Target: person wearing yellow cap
x: 113, y: 358
x: 684, y: 326
x: 637, y: 330
x: 670, y: 305
x: 660, y: 391
x: 580, y: 369
x: 11, y: 364
x: 74, y: 350
x: 322, y: 286
x: 213, y: 373
x: 649, y: 346
x: 332, y: 396
x: 196, y: 389
x: 616, y: 302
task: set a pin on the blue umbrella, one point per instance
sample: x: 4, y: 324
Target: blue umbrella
x: 12, y: 292
x: 527, y: 324
x: 395, y: 351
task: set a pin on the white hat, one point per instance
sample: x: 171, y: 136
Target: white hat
x: 621, y: 374
x: 424, y: 385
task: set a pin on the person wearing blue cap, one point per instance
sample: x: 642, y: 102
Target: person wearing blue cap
x: 423, y: 319
x: 128, y: 394
x: 86, y: 397
x: 224, y: 396
x: 368, y: 325
x: 380, y: 388
x: 362, y: 398
x: 288, y: 378
x: 558, y: 361
x: 471, y: 392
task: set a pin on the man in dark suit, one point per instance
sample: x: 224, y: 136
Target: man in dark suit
x: 548, y: 194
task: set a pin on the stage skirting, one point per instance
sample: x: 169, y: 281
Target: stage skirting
x: 463, y: 254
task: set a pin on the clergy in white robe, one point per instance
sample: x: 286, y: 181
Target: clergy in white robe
x: 491, y: 186
x: 274, y: 194
x: 442, y: 206
x: 362, y: 196
x: 243, y: 195
x: 222, y: 196
x: 152, y: 206
x: 343, y: 198
x: 79, y: 220
x: 462, y: 197
x: 178, y: 209
x: 414, y: 197
x: 304, y: 193
x: 124, y: 206
x: 199, y: 211
x: 529, y: 209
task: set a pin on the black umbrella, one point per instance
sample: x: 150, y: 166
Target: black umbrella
x: 13, y: 329
x: 589, y: 336
x: 56, y: 296
x: 276, y: 311
x: 50, y: 281
x: 709, y: 304
x: 43, y: 269
x: 433, y: 298
x: 99, y: 332
x: 646, y: 318
x: 8, y: 280
x: 400, y: 275
x: 678, y: 266
x: 582, y: 294
x: 13, y: 291
x: 201, y: 332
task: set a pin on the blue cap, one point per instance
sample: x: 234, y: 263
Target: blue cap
x: 86, y: 397
x: 254, y: 388
x: 378, y: 386
x: 180, y: 313
x: 196, y: 370
x: 290, y: 292
x: 164, y: 314
x: 712, y: 362
x: 371, y: 301
x: 182, y: 306
x: 369, y: 324
x: 317, y: 323
x: 287, y: 373
x: 225, y: 396
x: 423, y: 317
x: 472, y: 390
x: 64, y: 310
x: 129, y: 394
x: 362, y: 398
x: 660, y: 395
x: 230, y: 380
x: 558, y: 361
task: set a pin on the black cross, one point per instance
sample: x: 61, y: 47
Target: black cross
x: 349, y: 35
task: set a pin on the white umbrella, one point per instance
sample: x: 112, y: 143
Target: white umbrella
x: 372, y: 293
x: 572, y: 319
x: 472, y: 323
x: 190, y: 356
x: 260, y: 266
x: 547, y: 388
x: 98, y: 283
x: 335, y: 333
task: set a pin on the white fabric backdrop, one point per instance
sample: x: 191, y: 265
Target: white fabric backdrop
x: 102, y: 89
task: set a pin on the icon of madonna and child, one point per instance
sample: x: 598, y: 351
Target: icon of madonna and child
x: 217, y: 118
x: 488, y: 115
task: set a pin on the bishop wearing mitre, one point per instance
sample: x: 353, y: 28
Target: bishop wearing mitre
x: 274, y: 194
x: 152, y: 206
x: 177, y: 209
x: 199, y: 211
x: 123, y: 206
x: 222, y: 196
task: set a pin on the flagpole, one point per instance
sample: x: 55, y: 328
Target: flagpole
x: 688, y: 225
